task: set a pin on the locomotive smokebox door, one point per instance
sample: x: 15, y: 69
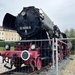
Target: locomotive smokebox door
x: 25, y: 55
x: 9, y: 21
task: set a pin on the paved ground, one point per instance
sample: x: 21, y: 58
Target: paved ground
x: 2, y: 68
x: 0, y: 59
x: 61, y: 65
x: 69, y: 69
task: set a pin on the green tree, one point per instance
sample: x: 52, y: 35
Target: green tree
x: 66, y: 32
x: 71, y: 34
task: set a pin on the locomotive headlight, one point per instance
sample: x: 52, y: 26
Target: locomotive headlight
x: 33, y: 47
x: 23, y: 13
x: 7, y: 47
x: 25, y: 55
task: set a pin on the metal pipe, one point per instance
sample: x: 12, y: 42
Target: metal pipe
x: 56, y: 56
x: 53, y: 51
x: 28, y: 40
x: 66, y: 39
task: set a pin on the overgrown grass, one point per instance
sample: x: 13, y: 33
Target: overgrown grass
x: 2, y: 48
x: 72, y: 52
x: 63, y: 68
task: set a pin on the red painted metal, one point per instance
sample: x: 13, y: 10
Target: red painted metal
x: 39, y: 63
x: 34, y: 54
x: 9, y: 54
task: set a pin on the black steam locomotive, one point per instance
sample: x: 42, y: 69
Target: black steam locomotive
x: 33, y: 24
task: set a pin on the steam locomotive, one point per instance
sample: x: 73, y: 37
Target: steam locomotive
x: 33, y: 24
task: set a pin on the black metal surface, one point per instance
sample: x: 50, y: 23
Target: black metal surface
x: 28, y: 22
x: 9, y: 21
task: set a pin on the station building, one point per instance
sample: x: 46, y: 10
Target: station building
x: 9, y: 35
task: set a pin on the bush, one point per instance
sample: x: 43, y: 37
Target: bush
x: 3, y: 43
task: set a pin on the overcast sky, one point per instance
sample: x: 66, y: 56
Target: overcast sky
x: 61, y: 12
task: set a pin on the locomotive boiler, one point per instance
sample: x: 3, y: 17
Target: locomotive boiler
x: 31, y: 24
